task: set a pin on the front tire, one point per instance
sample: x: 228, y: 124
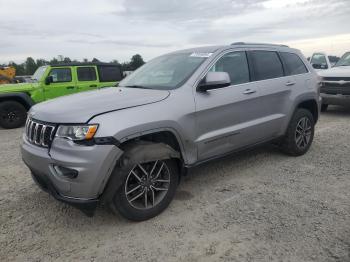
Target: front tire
x: 12, y: 114
x: 300, y: 133
x: 147, y: 190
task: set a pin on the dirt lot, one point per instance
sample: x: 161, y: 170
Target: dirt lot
x: 257, y: 206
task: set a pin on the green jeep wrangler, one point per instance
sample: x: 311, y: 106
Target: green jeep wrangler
x: 53, y: 81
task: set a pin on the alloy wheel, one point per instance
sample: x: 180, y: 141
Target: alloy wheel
x: 147, y: 184
x: 303, y: 133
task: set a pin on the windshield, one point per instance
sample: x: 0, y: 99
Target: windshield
x: 344, y: 60
x: 318, y: 59
x: 165, y: 72
x: 39, y: 73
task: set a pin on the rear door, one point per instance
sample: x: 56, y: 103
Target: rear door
x: 109, y: 75
x: 274, y: 91
x: 86, y: 78
x: 296, y: 68
x: 63, y: 82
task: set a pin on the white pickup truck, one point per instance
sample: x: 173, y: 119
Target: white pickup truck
x: 320, y: 61
x: 335, y: 89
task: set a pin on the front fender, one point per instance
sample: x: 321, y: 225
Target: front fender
x: 23, y: 98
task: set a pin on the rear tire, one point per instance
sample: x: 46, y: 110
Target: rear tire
x: 12, y: 114
x: 140, y: 199
x: 300, y: 133
x: 324, y: 107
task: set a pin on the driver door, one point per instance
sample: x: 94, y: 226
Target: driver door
x: 221, y: 114
x: 62, y: 84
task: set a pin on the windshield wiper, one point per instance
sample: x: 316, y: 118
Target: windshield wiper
x: 138, y: 86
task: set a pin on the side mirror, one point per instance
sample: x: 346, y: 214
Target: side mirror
x: 214, y: 80
x: 324, y: 66
x: 48, y: 80
x: 320, y: 66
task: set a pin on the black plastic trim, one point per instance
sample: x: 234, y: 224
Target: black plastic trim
x: 88, y: 207
x: 23, y: 96
x: 107, y: 140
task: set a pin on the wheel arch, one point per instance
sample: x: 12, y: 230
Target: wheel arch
x: 310, y: 105
x: 137, y: 151
x: 166, y: 136
x: 22, y: 98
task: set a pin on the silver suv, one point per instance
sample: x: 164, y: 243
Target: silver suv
x: 128, y: 146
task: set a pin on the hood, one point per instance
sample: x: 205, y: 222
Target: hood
x: 79, y: 108
x: 22, y: 87
x: 338, y: 71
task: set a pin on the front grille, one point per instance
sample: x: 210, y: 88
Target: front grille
x: 40, y: 134
x: 336, y: 78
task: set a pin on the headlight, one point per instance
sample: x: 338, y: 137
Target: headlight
x: 77, y: 133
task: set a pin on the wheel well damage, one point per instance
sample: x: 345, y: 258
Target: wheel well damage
x: 137, y: 151
x: 310, y: 105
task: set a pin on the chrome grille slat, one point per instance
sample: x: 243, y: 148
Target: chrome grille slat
x: 32, y: 127
x: 42, y: 133
x: 38, y: 133
x: 35, y: 133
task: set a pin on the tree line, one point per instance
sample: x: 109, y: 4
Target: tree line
x: 29, y: 66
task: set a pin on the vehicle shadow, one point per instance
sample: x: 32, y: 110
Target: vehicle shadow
x: 337, y: 111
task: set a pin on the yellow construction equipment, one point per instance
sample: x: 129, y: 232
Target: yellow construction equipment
x: 7, y: 74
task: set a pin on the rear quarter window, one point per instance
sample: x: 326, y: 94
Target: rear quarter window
x: 86, y: 74
x: 265, y: 64
x: 293, y: 65
x: 109, y: 73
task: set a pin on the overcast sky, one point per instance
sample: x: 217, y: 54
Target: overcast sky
x: 117, y: 29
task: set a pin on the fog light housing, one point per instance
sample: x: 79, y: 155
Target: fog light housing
x: 66, y: 172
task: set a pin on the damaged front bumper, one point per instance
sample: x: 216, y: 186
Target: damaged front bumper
x: 71, y: 173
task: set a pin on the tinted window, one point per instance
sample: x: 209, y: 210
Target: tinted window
x: 109, y: 73
x: 236, y: 65
x: 86, y: 73
x: 60, y: 75
x: 266, y: 65
x: 293, y: 64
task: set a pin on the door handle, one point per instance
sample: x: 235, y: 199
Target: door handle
x: 70, y: 87
x: 249, y: 91
x: 290, y: 83
x: 93, y: 85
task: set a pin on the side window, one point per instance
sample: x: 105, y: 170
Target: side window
x: 109, y: 73
x: 60, y: 75
x: 293, y: 64
x: 266, y: 65
x: 86, y: 74
x: 236, y: 65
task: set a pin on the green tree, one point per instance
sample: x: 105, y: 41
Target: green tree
x: 136, y: 62
x: 41, y: 62
x: 30, y: 66
x: 115, y: 61
x: 67, y: 60
x: 20, y: 70
x: 95, y: 60
x: 54, y: 61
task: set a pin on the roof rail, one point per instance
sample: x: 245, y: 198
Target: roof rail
x: 262, y: 44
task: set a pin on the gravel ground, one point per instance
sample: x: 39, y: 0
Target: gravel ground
x: 256, y: 206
